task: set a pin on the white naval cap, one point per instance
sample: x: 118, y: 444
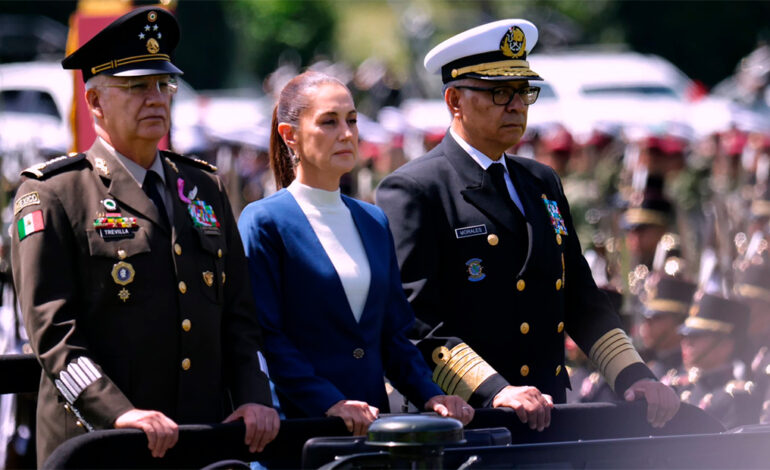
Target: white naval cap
x: 492, y: 51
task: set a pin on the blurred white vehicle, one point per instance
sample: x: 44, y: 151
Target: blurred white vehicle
x: 619, y: 88
x: 35, y: 103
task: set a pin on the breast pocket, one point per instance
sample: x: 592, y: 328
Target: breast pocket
x: 213, y: 275
x: 114, y: 264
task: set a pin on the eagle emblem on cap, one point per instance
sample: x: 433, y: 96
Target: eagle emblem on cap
x: 152, y: 46
x: 514, y: 43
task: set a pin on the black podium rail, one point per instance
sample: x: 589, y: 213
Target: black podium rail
x: 201, y: 445
x: 701, y: 451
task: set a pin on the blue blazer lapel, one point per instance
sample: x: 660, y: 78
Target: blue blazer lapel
x: 299, y: 230
x: 375, y: 240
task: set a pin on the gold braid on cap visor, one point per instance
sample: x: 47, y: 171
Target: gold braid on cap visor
x: 501, y: 68
x: 709, y: 325
x: 667, y: 306
x: 113, y: 64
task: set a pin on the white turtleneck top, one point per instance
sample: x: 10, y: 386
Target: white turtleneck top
x: 333, y: 224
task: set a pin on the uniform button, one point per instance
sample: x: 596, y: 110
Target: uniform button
x: 558, y: 284
x: 492, y: 239
x: 66, y: 407
x: 558, y: 239
x: 560, y: 327
x: 182, y: 287
x: 186, y: 363
x: 524, y: 370
x: 358, y: 353
x: 524, y: 328
x: 79, y: 424
x: 223, y: 278
x: 520, y: 285
x: 186, y: 324
x: 558, y: 369
x: 219, y: 252
x: 122, y: 253
x: 177, y: 249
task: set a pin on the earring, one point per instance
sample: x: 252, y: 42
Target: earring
x: 294, y: 157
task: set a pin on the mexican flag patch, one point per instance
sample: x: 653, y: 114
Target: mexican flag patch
x: 30, y: 223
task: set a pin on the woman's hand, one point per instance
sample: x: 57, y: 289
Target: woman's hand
x: 451, y: 406
x: 358, y: 415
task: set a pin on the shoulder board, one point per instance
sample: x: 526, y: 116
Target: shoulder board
x: 196, y: 162
x: 45, y: 169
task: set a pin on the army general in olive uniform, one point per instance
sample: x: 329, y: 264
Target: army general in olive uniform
x: 129, y: 267
x: 488, y: 252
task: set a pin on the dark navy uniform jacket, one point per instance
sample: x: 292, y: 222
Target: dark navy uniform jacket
x: 479, y: 275
x: 151, y: 318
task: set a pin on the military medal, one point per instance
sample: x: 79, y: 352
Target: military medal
x: 110, y: 205
x: 556, y: 220
x: 475, y: 270
x: 113, y: 226
x: 123, y: 274
x: 201, y: 213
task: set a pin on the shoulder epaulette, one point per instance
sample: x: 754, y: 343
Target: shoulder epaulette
x: 45, y: 169
x: 196, y: 162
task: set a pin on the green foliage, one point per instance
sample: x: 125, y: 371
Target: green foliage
x: 268, y: 30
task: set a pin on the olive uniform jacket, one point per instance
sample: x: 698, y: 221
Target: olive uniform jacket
x: 496, y: 291
x: 133, y: 316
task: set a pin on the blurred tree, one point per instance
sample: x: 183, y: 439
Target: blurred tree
x: 272, y: 31
x: 206, y: 51
x: 704, y: 39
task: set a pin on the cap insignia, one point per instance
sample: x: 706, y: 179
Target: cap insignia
x: 152, y: 46
x: 514, y: 43
x: 152, y: 17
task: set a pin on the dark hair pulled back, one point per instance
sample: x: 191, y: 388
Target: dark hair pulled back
x: 295, y: 98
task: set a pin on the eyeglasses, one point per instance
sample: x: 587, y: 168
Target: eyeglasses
x: 503, y: 95
x: 142, y: 86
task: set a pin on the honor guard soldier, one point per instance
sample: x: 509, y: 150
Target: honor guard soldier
x: 487, y: 249
x: 752, y: 286
x: 130, y: 270
x: 713, y: 334
x: 666, y: 304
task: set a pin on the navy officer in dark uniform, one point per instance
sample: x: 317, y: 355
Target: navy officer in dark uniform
x: 487, y: 248
x: 130, y: 270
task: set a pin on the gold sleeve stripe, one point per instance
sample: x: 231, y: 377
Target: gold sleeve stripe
x: 612, y: 353
x: 457, y: 358
x: 460, y: 371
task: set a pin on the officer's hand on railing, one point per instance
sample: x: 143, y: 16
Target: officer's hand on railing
x: 162, y: 432
x: 662, y: 401
x: 262, y: 424
x: 451, y: 406
x: 531, y: 406
x: 358, y: 415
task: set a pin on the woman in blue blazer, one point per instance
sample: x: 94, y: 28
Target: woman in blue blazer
x: 324, y: 272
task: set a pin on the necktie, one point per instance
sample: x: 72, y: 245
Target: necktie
x: 497, y: 172
x: 150, y: 187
